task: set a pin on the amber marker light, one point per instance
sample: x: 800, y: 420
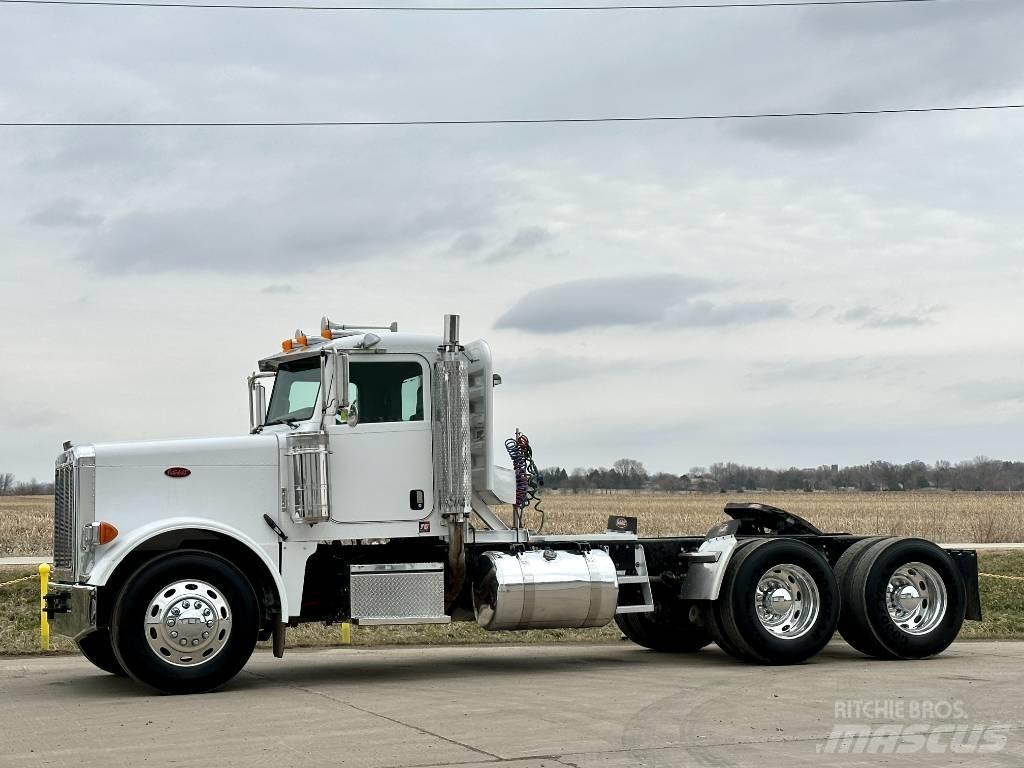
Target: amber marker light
x: 105, y: 533
x: 287, y: 345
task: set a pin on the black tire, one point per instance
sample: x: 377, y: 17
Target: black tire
x: 674, y: 633
x: 96, y: 647
x: 855, y: 633
x: 868, y: 604
x: 736, y: 619
x: 128, y: 627
x: 714, y: 623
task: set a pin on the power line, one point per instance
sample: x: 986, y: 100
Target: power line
x: 464, y: 8
x: 514, y: 121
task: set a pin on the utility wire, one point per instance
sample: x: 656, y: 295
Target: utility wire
x: 464, y: 8
x: 517, y: 121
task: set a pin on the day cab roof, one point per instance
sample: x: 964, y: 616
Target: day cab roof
x: 361, y: 342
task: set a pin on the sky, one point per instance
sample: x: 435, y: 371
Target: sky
x: 775, y: 292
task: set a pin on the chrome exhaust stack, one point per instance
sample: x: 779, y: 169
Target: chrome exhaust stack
x: 453, y: 468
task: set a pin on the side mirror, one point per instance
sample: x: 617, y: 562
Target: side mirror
x: 257, y: 401
x: 341, y: 382
x: 261, y: 405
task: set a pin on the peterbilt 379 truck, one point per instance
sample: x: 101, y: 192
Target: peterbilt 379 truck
x: 366, y: 491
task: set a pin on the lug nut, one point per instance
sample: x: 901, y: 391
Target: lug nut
x: 174, y: 634
x: 185, y: 604
x: 205, y: 635
x: 184, y: 641
x: 195, y: 642
x: 176, y: 612
x: 206, y: 612
x: 170, y: 622
x: 209, y: 623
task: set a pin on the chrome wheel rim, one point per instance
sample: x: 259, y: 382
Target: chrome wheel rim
x: 188, y: 623
x: 916, y: 598
x: 787, y: 601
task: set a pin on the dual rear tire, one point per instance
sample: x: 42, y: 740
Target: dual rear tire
x: 666, y: 633
x: 902, y: 598
x: 779, y: 603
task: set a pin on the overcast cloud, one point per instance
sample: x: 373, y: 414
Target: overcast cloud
x: 774, y: 291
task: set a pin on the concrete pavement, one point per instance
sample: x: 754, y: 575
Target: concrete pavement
x: 587, y: 706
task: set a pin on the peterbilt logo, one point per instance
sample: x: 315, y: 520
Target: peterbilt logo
x: 177, y: 472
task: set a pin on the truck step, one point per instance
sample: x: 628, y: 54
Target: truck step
x: 648, y: 608
x: 372, y: 621
x: 397, y: 593
x: 645, y: 599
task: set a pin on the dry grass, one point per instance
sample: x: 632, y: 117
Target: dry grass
x: 948, y: 517
x: 26, y: 521
x: 26, y: 525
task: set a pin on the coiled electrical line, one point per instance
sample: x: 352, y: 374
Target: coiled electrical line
x: 529, y: 480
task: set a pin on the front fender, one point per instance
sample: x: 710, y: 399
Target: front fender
x: 109, y: 556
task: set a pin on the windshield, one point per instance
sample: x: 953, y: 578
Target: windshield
x: 295, y: 391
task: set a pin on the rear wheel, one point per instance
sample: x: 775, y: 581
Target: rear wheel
x: 672, y: 633
x: 906, y: 598
x: 851, y: 629
x: 779, y: 603
x: 185, y: 623
x: 97, y: 648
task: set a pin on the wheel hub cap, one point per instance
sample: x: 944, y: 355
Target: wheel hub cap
x: 187, y: 623
x: 916, y: 598
x: 787, y: 601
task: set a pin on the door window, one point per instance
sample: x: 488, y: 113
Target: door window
x: 386, y: 391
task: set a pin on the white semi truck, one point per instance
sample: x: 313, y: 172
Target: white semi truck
x: 364, y: 492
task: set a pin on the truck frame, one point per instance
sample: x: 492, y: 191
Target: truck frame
x: 365, y: 492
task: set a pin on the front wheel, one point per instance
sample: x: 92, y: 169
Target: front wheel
x: 185, y: 622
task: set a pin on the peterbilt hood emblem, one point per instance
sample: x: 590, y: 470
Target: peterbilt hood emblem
x: 177, y: 472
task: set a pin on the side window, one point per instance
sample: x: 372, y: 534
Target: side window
x: 386, y: 391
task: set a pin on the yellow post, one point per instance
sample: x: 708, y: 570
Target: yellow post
x: 346, y: 633
x: 44, y: 623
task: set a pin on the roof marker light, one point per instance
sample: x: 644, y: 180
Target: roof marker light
x: 287, y: 345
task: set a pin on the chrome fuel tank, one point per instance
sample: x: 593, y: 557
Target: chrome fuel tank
x: 545, y: 589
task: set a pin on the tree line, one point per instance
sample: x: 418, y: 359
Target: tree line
x: 977, y: 474
x: 9, y: 486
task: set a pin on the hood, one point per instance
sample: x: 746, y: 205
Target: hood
x: 243, y: 451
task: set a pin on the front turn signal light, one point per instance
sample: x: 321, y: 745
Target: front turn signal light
x: 287, y: 345
x: 105, y: 533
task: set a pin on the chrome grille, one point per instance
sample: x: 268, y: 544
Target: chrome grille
x: 64, y: 517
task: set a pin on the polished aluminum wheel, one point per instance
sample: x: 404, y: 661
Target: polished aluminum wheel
x: 188, y: 623
x: 787, y: 601
x: 916, y: 598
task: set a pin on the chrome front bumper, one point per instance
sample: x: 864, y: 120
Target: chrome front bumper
x: 71, y: 609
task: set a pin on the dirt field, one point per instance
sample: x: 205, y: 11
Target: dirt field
x: 26, y: 521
